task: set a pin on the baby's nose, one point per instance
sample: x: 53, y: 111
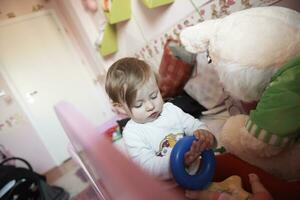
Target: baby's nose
x: 149, y: 106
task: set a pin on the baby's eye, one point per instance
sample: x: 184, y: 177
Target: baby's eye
x: 153, y: 96
x: 138, y: 105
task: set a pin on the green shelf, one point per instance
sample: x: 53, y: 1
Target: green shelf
x: 120, y: 11
x: 109, y: 42
x: 156, y: 3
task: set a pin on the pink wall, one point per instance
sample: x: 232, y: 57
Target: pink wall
x: 144, y: 26
x: 19, y: 138
x: 14, y: 8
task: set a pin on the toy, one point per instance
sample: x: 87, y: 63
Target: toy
x: 204, y: 175
x: 233, y: 186
x: 252, y: 51
x: 202, y: 180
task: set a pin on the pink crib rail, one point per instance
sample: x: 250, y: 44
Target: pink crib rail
x: 116, y: 175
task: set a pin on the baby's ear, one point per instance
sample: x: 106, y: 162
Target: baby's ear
x: 119, y: 108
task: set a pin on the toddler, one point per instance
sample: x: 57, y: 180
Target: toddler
x: 155, y: 126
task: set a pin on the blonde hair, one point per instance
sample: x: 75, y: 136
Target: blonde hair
x: 124, y: 78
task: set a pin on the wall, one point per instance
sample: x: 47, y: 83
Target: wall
x: 13, y: 8
x: 146, y: 26
x: 18, y: 135
x: 83, y: 29
x: 17, y: 132
x: 132, y: 34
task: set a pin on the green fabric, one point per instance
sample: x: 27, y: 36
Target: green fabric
x: 267, y: 137
x: 278, y: 111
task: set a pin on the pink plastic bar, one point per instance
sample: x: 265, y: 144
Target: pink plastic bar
x: 115, y: 175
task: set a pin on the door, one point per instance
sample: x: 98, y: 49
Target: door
x: 39, y: 63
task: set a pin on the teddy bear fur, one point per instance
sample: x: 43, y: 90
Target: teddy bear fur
x: 247, y: 48
x: 284, y: 165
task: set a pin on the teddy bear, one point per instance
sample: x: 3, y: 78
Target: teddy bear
x: 256, y: 53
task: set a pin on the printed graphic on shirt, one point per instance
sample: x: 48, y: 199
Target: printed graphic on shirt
x: 168, y: 143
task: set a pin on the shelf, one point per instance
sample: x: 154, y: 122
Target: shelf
x: 156, y: 3
x: 120, y: 11
x: 109, y: 42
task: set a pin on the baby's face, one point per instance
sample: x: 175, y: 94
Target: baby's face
x: 148, y: 103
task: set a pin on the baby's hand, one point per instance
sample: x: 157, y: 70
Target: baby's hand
x: 205, y: 140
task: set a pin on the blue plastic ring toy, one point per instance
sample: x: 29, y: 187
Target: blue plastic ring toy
x: 203, y: 176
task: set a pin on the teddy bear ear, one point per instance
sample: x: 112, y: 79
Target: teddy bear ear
x: 193, y: 41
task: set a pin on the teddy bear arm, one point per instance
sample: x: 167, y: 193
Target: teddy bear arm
x: 275, y: 122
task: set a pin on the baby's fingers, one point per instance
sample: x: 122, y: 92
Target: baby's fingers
x: 209, y: 140
x: 188, y: 158
x: 197, y: 146
x: 199, y: 134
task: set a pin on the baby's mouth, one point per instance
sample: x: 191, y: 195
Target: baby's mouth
x: 154, y: 115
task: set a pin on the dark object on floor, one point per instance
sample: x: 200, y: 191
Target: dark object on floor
x: 22, y: 183
x: 51, y: 192
x: 188, y: 104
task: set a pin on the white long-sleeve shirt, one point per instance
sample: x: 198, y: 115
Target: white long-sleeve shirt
x: 150, y: 144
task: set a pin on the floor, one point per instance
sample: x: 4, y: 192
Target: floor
x: 68, y: 176
x: 57, y: 172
